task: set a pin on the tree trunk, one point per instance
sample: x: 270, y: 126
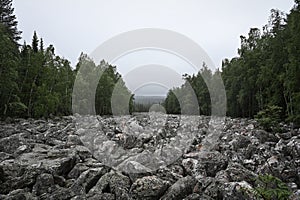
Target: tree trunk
x: 30, y: 96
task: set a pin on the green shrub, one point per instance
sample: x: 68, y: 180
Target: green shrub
x: 270, y: 187
x: 269, y: 118
x: 16, y: 108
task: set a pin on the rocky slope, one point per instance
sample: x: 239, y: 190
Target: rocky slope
x: 143, y: 157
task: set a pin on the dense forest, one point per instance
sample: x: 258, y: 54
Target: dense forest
x: 265, y: 74
x: 34, y: 82
x: 145, y: 103
x: 100, y: 89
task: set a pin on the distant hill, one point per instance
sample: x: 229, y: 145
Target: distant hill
x: 146, y: 100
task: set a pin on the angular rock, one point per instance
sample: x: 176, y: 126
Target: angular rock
x: 5, y: 156
x: 74, y: 140
x: 202, y: 184
x: 114, y: 183
x: 83, y: 152
x: 60, y: 193
x: 240, y: 141
x: 168, y: 175
x: 44, y: 184
x: 19, y: 194
x: 190, y: 165
x: 88, y: 180
x: 77, y: 170
x: 45, y: 159
x: 286, y: 136
x: 57, y: 162
x: 214, y: 190
x: 238, y: 190
x: 211, y: 162
x: 229, y: 190
x: 180, y: 189
x: 10, y: 144
x: 238, y: 173
x: 17, y: 177
x: 103, y: 196
x: 264, y: 136
x: 148, y: 187
x: 193, y: 196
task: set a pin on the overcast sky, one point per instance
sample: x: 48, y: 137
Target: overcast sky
x: 75, y: 26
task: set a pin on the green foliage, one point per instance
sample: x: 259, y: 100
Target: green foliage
x: 194, y: 97
x: 35, y: 43
x: 271, y: 188
x: 270, y: 118
x: 107, y: 96
x: 171, y: 103
x: 267, y: 71
x: 34, y: 82
x: 45, y: 81
x: 16, y: 108
x: 9, y: 61
x: 8, y: 20
x: 140, y: 107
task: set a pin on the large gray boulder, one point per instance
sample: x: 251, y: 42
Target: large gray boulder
x: 148, y: 188
x: 182, y: 188
x: 209, y: 163
x: 113, y: 183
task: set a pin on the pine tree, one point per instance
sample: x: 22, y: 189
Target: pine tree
x: 10, y: 103
x: 8, y: 19
x: 35, y: 43
x: 42, y: 45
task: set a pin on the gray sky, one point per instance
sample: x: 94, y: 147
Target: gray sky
x: 75, y: 26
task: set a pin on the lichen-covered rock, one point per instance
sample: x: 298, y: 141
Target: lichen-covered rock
x: 237, y: 173
x: 58, y: 162
x: 168, y: 174
x: 44, y: 184
x: 228, y: 190
x: 193, y: 196
x: 11, y: 144
x: 19, y: 194
x: 211, y: 162
x: 265, y: 136
x: 114, y: 183
x: 87, y: 180
x: 77, y: 170
x: 74, y: 140
x: 237, y: 191
x: 240, y: 141
x: 286, y: 136
x: 17, y: 176
x: 148, y: 188
x: 180, y: 189
x: 83, y: 152
x: 142, y: 156
x: 190, y: 165
x: 214, y: 190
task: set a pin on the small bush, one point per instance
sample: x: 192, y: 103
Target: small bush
x: 269, y: 118
x: 16, y: 108
x: 270, y: 187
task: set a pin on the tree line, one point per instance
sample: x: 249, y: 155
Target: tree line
x: 265, y: 73
x: 35, y: 82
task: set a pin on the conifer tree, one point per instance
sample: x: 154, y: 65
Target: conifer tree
x: 35, y: 43
x: 8, y: 19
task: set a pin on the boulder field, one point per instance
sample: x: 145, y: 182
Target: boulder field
x: 143, y: 156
